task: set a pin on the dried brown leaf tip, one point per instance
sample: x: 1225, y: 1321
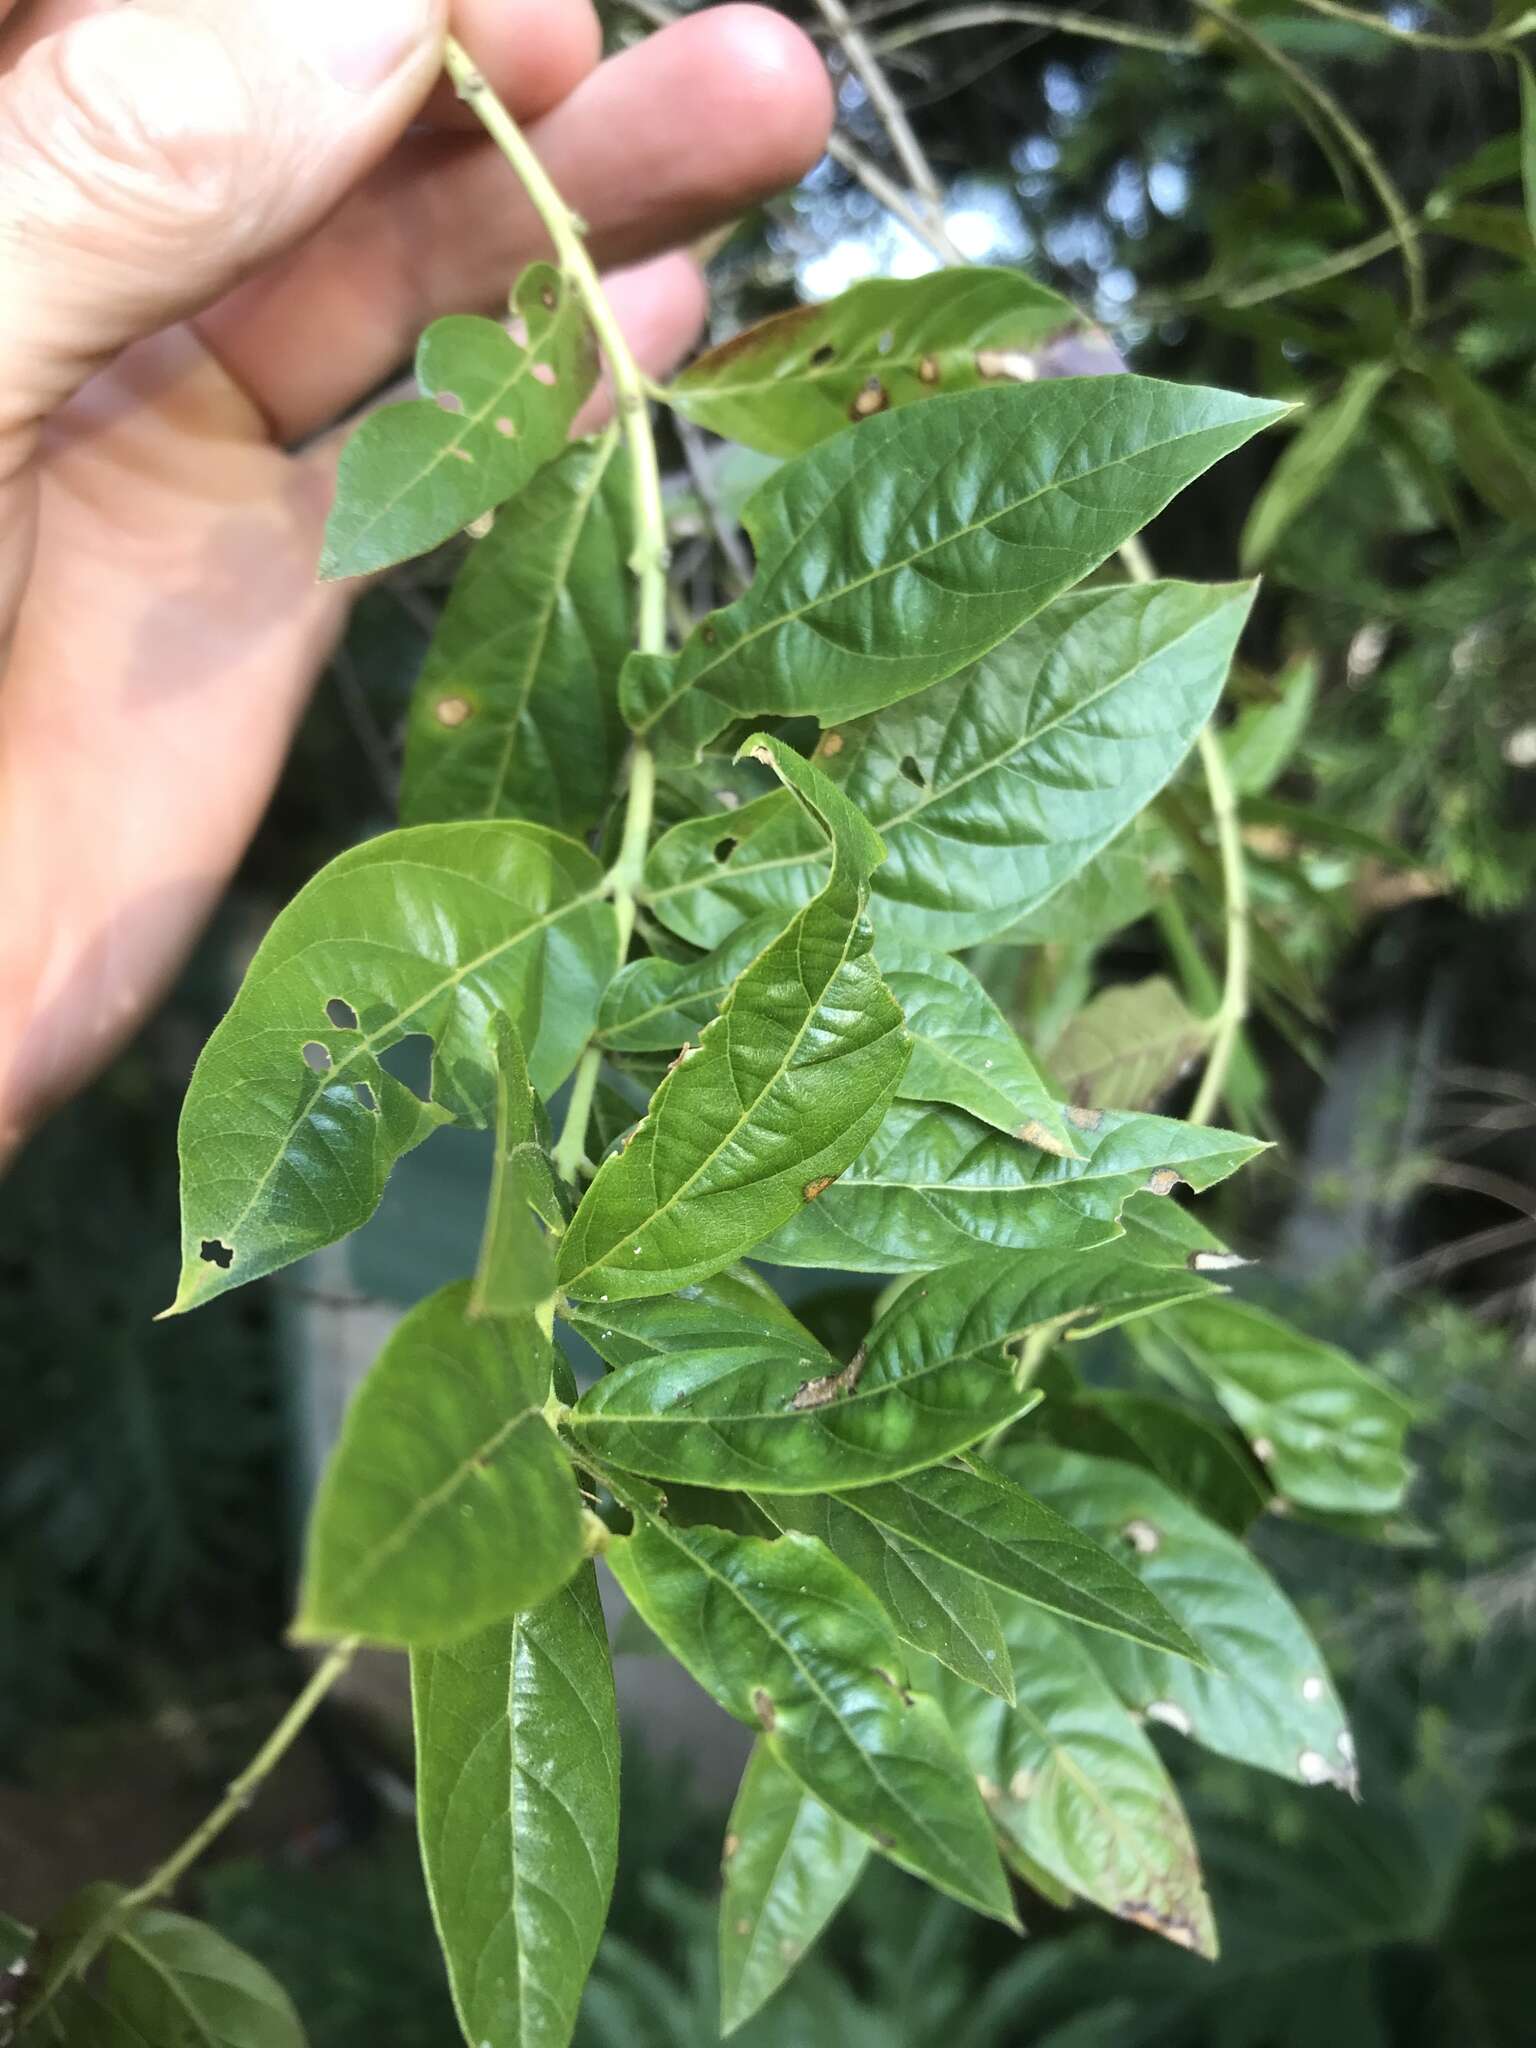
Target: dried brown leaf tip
x: 817, y: 1393
x: 872, y: 399
x: 1174, y: 1926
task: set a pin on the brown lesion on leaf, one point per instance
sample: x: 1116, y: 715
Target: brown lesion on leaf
x: 687, y: 1048
x: 1175, y: 1927
x: 453, y: 711
x: 871, y: 399
x: 732, y: 1844
x: 1010, y: 363
x: 766, y: 334
x: 817, y: 1393
x: 765, y: 1710
x: 813, y: 1188
x: 928, y: 370
x: 831, y: 743
x: 881, y: 1838
x: 1082, y: 1118
x: 1164, y: 1180
x: 708, y: 634
x: 901, y: 1691
x: 549, y: 298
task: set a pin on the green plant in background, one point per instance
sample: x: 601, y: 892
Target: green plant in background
x: 948, y: 1632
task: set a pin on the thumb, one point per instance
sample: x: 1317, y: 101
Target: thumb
x: 157, y: 153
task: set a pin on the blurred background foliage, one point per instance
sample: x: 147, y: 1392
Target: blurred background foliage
x: 1298, y: 198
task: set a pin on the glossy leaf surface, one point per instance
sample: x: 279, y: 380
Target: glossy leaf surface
x: 730, y: 1399
x: 933, y: 1187
x: 991, y: 790
x: 790, y: 1642
x: 1126, y: 1048
x: 1266, y: 1698
x: 1329, y: 1433
x: 789, y: 1864
x: 1195, y: 1457
x: 516, y: 1268
x: 165, y: 1979
x: 1073, y: 1782
x: 291, y: 1122
x: 786, y: 1087
x: 448, y: 1502
x: 932, y: 1606
x: 493, y: 411
x: 517, y: 1782
x: 515, y: 714
x: 655, y: 1005
x: 798, y: 377
x: 889, y: 558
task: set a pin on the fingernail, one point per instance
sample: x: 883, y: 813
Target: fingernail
x: 361, y: 43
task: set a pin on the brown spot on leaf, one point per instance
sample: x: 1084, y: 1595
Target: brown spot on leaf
x: 879, y: 1835
x: 763, y: 756
x: 817, y: 1393
x: 831, y: 743
x: 1163, y: 1181
x: 452, y: 711
x: 506, y: 426
x: 820, y: 357
x: 732, y: 1844
x: 549, y: 298
x: 708, y: 634
x: 450, y: 401
x: 1011, y: 363
x: 1173, y: 1925
x: 1082, y: 1118
x: 765, y: 1711
x: 813, y: 1188
x: 766, y: 334
x: 743, y: 1925
x: 872, y: 399
x: 928, y: 369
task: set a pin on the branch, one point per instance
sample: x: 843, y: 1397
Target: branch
x: 1069, y: 24
x: 882, y: 97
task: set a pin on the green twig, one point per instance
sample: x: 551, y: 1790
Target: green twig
x: 1233, y: 1012
x: 571, y: 1146
x: 1064, y: 22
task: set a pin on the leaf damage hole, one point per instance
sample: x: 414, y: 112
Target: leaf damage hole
x: 216, y: 1254
x: 1170, y: 1714
x: 908, y: 767
x: 449, y: 401
x: 317, y: 1057
x: 366, y: 1097
x: 545, y: 373
x: 820, y: 357
x: 341, y: 1014
x: 764, y: 1709
x: 409, y: 1061
x: 1142, y: 1537
x: 724, y: 848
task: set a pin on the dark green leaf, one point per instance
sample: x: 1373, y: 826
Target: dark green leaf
x: 168, y: 1982
x: 1262, y: 738
x: 934, y: 1186
x: 620, y: 1332
x: 1071, y: 1780
x: 515, y: 714
x: 1128, y: 1046
x: 1527, y: 137
x: 1328, y: 1433
x: 448, y: 1502
x: 517, y: 1781
x: 801, y: 376
x: 1116, y: 888
x: 729, y: 1399
x: 785, y: 1088
x: 1266, y: 1700
x: 789, y: 1864
x: 990, y: 791
x: 890, y: 558
x: 790, y: 1642
x: 977, y: 1519
x: 291, y: 1123
x: 1326, y: 436
x: 1495, y: 442
x: 654, y: 1005
x: 516, y: 1269
x: 1189, y: 1454
x: 412, y: 475
x: 932, y: 1606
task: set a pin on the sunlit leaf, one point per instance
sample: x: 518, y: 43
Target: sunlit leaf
x: 515, y: 714
x: 801, y: 376
x: 785, y: 1088
x: 989, y: 791
x: 448, y: 1502
x: 517, y: 1781
x: 890, y: 558
x: 790, y: 1642
x: 494, y: 410
x: 789, y: 1864
x: 292, y: 1121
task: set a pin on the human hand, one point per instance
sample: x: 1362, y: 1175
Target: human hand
x: 222, y: 223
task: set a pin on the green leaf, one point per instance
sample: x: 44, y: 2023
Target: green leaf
x: 1495, y: 442
x: 789, y: 1864
x: 934, y: 1186
x: 291, y: 1123
x: 965, y: 1052
x: 1329, y: 1435
x: 991, y: 790
x: 890, y: 558
x: 1126, y: 1048
x: 1262, y: 738
x: 932, y: 1606
x: 1116, y: 888
x: 728, y: 1399
x: 790, y: 1642
x: 1326, y: 436
x: 1190, y: 1455
x: 786, y: 1087
x: 516, y: 1269
x: 517, y: 1783
x: 448, y: 1502
x: 977, y: 1519
x: 493, y: 412
x: 620, y: 1332
x: 1266, y: 1698
x: 1072, y: 1782
x: 653, y: 1005
x: 801, y: 376
x: 515, y: 714
x: 168, y: 1982
x: 1527, y: 136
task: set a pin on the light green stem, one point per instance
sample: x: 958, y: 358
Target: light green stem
x: 571, y: 1146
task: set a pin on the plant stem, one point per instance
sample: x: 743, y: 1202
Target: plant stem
x: 1233, y: 1012
x: 571, y: 1145
x: 865, y: 66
